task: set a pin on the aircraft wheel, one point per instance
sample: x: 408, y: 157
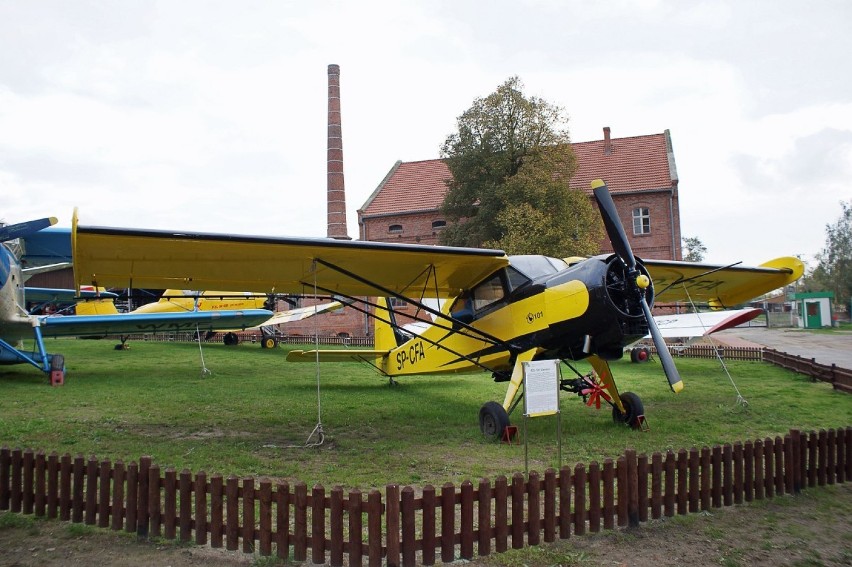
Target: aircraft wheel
x: 231, y: 339
x: 640, y: 354
x: 269, y: 342
x: 493, y: 420
x: 633, y: 407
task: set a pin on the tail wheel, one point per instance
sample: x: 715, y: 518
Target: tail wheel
x: 269, y: 342
x: 57, y: 362
x: 493, y: 420
x: 633, y: 408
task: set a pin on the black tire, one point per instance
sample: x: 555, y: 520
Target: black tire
x: 268, y: 342
x: 633, y: 408
x: 231, y: 339
x: 493, y: 420
x: 640, y: 354
x: 57, y: 362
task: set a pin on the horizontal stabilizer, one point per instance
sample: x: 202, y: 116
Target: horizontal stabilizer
x: 696, y: 325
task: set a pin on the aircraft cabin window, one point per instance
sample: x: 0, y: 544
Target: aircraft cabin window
x: 641, y: 220
x: 488, y: 292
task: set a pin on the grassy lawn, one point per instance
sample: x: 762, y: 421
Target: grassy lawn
x: 254, y: 413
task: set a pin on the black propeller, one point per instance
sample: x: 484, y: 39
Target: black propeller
x: 618, y: 238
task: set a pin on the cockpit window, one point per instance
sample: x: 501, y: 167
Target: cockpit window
x: 534, y: 266
x: 488, y: 292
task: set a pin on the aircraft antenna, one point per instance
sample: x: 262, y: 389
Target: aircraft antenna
x: 741, y: 401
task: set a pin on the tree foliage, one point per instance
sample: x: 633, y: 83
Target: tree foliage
x: 695, y: 249
x: 511, y: 162
x: 833, y: 271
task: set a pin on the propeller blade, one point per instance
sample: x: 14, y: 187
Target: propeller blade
x: 19, y: 230
x: 614, y: 228
x: 672, y: 375
x: 618, y: 238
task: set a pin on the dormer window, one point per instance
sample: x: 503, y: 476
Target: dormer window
x: 395, y: 228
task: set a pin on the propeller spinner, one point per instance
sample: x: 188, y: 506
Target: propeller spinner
x: 618, y: 238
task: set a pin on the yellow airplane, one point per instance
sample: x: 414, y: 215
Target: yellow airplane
x: 186, y: 301
x: 499, y: 311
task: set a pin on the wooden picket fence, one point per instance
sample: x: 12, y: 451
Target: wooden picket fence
x: 839, y: 378
x: 411, y: 526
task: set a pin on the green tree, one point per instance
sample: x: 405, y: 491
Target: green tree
x: 695, y: 249
x: 511, y: 162
x: 833, y: 271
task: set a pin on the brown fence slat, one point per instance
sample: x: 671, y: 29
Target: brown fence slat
x: 28, y: 499
x: 448, y: 526
x: 300, y: 522
x: 501, y: 514
x: 248, y: 515
x: 232, y: 522
x: 199, y: 488
x: 77, y: 494
x: 40, y: 484
x: 428, y: 516
x: 336, y: 525
x: 466, y: 521
x: 118, y: 480
x: 579, y: 499
x: 17, y: 478
x: 409, y: 534
x: 5, y: 478
x: 642, y: 486
x: 91, y: 504
x: 517, y: 510
x: 265, y: 518
x: 608, y: 494
x: 484, y: 508
x: 185, y: 510
x: 154, y: 511
x: 594, y: 497
x: 549, y: 506
x: 669, y: 497
x: 170, y: 503
x: 103, y: 493
x: 318, y: 522
x: 356, y: 528
x: 533, y: 509
x: 282, y: 517
x: 374, y: 528
x: 565, y: 503
x: 217, y: 512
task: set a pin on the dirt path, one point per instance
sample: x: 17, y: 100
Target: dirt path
x: 812, y: 529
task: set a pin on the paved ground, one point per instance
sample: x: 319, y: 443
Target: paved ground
x: 825, y: 348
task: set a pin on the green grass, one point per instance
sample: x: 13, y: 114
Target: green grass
x: 254, y: 413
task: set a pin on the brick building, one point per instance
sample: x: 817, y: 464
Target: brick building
x: 640, y: 172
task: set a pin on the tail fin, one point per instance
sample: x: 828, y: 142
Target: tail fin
x: 104, y: 306
x: 385, y: 336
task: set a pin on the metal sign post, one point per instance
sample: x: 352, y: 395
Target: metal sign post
x: 541, y: 397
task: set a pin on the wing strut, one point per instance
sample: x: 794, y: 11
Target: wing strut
x: 420, y: 305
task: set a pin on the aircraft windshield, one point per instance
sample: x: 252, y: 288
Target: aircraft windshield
x: 537, y: 266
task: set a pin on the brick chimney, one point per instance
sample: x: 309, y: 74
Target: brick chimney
x: 607, y: 142
x: 336, y: 194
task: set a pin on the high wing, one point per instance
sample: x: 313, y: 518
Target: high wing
x: 114, y: 257
x: 720, y: 286
x: 125, y: 324
x: 59, y: 295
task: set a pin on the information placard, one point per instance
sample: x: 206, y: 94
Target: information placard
x: 541, y: 388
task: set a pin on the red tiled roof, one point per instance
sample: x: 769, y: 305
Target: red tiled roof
x: 635, y: 163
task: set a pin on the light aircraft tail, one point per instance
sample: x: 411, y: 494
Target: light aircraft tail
x: 105, y: 306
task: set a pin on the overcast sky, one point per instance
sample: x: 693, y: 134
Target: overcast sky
x: 212, y: 116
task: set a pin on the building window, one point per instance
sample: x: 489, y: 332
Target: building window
x: 641, y: 220
x: 397, y: 303
x: 439, y: 224
x: 395, y: 228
